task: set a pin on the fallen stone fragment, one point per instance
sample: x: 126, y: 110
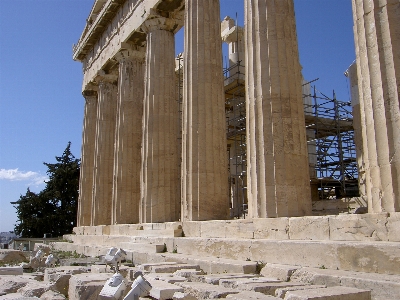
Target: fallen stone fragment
x: 12, y: 256
x: 188, y: 273
x: 51, y: 295
x: 281, y: 292
x: 34, y: 289
x: 182, y: 296
x: 206, y: 291
x: 281, y: 272
x: 11, y: 284
x: 86, y: 286
x: 162, y: 290
x: 59, y: 277
x: 167, y: 277
x: 215, y: 278
x: 16, y: 296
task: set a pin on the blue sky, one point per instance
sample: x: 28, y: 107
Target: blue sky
x: 41, y: 106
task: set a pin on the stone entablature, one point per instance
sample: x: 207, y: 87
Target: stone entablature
x: 96, y: 49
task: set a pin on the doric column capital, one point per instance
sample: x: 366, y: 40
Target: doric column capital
x: 102, y: 78
x: 162, y: 21
x: 90, y: 93
x: 131, y: 52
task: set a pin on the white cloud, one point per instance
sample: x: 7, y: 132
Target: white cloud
x: 17, y: 175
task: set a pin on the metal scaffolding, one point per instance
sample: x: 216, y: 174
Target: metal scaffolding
x: 235, y: 108
x: 332, y: 145
x: 330, y: 139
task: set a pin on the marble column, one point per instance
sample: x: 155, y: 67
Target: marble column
x: 87, y: 158
x: 377, y: 40
x: 104, y: 150
x: 359, y: 130
x: 277, y: 166
x: 128, y: 137
x: 160, y: 156
x: 204, y: 158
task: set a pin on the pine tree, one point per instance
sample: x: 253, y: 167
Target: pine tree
x: 54, y: 209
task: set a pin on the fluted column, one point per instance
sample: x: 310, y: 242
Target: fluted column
x: 160, y: 157
x: 87, y: 159
x: 204, y: 158
x: 359, y: 130
x: 128, y: 137
x: 377, y: 40
x: 104, y: 151
x: 277, y: 167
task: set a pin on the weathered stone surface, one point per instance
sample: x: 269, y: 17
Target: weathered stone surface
x: 86, y: 286
x: 393, y: 227
x: 11, y: 284
x: 11, y: 270
x: 267, y: 286
x: 51, y: 295
x: 281, y: 292
x: 250, y: 296
x: 271, y: 228
x: 12, y: 256
x: 162, y: 290
x: 183, y: 296
x: 334, y: 293
x: 359, y: 227
x: 206, y: 291
x: 16, y: 296
x: 382, y: 286
x: 188, y: 273
x: 309, y: 228
x: 215, y: 278
x: 173, y: 268
x: 169, y: 278
x: 34, y: 289
x: 59, y: 277
x: 280, y: 272
x: 238, y: 282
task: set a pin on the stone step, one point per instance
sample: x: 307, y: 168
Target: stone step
x: 382, y: 286
x: 332, y: 293
x: 142, y: 247
x: 346, y: 227
x: 173, y: 229
x: 367, y: 256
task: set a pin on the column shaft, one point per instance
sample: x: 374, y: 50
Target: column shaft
x: 204, y: 157
x: 128, y: 138
x: 87, y: 159
x: 104, y: 154
x: 160, y: 158
x: 276, y: 137
x: 376, y: 25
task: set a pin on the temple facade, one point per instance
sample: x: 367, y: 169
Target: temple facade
x: 151, y: 156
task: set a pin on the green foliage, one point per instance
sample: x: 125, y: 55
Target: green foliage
x: 54, y: 209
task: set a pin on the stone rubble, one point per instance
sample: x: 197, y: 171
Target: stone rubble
x: 171, y: 280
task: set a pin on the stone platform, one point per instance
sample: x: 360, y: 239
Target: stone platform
x: 350, y: 251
